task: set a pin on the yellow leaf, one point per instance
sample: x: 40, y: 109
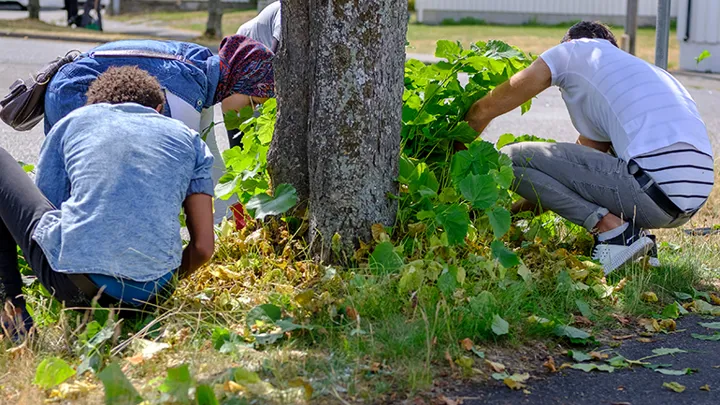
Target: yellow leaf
x: 649, y: 296
x: 677, y: 387
x: 497, y: 367
x: 512, y: 384
x: 379, y: 234
x: 232, y: 386
x: 705, y: 387
x: 650, y: 325
x: 305, y: 298
x: 668, y: 324
x: 715, y: 299
x: 300, y: 382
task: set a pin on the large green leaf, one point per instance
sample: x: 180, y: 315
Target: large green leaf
x: 463, y: 132
x: 500, y: 221
x: 479, y: 158
x: 448, y: 49
x: 506, y: 257
x: 52, y: 372
x: 385, y: 260
x: 479, y: 190
x: 455, y: 220
x: 571, y: 332
x: 266, y: 313
x: 500, y: 326
x: 205, y: 395
x: 263, y: 205
x: 178, y: 383
x: 118, y: 389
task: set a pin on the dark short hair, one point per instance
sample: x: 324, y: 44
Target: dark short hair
x: 590, y: 29
x: 126, y: 84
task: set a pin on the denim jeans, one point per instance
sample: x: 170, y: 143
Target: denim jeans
x: 583, y: 185
x: 21, y: 207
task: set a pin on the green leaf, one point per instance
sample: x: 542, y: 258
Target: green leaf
x: 448, y: 50
x: 715, y: 337
x: 479, y: 190
x: 579, y: 356
x: 266, y: 313
x: 663, y: 351
x: 683, y: 296
x: 674, y: 372
x: 463, y: 132
x: 500, y: 50
x: 52, y: 372
x: 618, y: 362
x: 205, y: 395
x: 411, y: 279
x: 384, y: 259
x: 263, y: 205
x: 455, y: 220
x: 505, y: 139
x: 478, y: 159
x: 703, y: 55
x: 118, y: 389
x: 500, y: 326
x: 710, y: 325
x: 674, y: 386
x: 584, y: 308
x: 671, y: 311
x: 245, y: 377
x: 178, y: 383
x: 506, y: 257
x: 571, y: 332
x: 504, y: 177
x: 499, y: 221
x: 447, y: 283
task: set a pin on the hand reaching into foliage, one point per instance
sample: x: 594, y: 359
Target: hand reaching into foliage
x: 199, y: 219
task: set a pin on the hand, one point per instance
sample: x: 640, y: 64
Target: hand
x: 199, y: 219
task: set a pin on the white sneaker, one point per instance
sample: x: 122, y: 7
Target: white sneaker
x: 613, y: 255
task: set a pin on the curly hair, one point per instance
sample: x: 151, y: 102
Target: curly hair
x: 590, y: 29
x: 126, y: 84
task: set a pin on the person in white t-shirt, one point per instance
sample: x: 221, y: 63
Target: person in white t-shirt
x: 266, y: 28
x: 643, y: 159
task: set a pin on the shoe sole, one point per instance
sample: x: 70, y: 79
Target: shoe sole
x: 639, y: 248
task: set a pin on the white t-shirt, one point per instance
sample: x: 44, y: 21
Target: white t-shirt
x: 266, y: 26
x: 615, y: 97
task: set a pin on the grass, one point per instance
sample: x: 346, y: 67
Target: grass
x: 368, y: 341
x: 422, y: 38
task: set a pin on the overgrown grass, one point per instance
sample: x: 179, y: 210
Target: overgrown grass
x: 369, y: 341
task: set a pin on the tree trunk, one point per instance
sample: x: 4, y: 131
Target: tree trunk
x: 34, y: 9
x: 214, y: 23
x: 340, y: 86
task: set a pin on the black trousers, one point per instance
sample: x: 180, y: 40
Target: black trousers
x: 72, y: 9
x: 21, y: 207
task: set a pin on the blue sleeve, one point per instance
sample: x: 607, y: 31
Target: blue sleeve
x: 51, y: 176
x: 201, y: 181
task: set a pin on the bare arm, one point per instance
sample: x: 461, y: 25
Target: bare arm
x: 199, y: 215
x: 601, y: 146
x: 510, y: 95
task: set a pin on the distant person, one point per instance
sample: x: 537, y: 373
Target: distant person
x: 71, y: 6
x: 102, y: 219
x: 265, y: 27
x: 662, y: 172
x: 194, y: 81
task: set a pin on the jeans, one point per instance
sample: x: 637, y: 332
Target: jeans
x: 21, y: 207
x: 583, y: 185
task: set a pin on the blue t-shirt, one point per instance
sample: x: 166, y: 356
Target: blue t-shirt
x: 118, y: 175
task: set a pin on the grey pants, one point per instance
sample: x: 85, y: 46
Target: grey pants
x: 583, y: 185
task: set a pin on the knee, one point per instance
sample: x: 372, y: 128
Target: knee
x: 516, y: 153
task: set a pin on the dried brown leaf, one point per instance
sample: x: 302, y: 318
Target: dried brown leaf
x: 582, y: 321
x: 497, y: 367
x: 467, y: 344
x: 622, y: 319
x: 550, y: 365
x: 645, y: 340
x: 668, y: 324
x: 623, y: 337
x: 351, y: 313
x: 378, y: 233
x: 598, y: 355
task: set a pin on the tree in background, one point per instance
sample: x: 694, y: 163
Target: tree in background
x: 339, y: 77
x: 34, y: 9
x: 214, y: 23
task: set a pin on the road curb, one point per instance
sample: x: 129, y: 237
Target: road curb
x: 65, y: 38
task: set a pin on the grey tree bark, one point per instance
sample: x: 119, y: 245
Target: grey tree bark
x: 34, y: 9
x: 340, y: 85
x: 214, y: 23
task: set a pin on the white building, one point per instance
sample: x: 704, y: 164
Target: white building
x: 537, y: 11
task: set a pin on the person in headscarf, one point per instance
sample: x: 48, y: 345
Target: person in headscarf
x: 193, y: 79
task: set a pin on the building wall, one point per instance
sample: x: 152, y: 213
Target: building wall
x: 704, y: 34
x: 540, y: 11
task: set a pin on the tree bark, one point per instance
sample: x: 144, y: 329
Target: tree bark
x: 340, y: 86
x: 34, y: 9
x: 214, y: 23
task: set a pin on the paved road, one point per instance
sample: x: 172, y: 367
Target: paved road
x: 548, y: 118
x: 635, y: 386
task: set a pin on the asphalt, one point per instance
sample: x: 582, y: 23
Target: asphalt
x: 631, y: 386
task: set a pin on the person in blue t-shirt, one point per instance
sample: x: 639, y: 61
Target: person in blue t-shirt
x: 101, y: 221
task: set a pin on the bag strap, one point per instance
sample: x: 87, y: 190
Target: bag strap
x: 136, y: 53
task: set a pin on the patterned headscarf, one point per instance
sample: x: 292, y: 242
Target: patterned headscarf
x: 245, y: 68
